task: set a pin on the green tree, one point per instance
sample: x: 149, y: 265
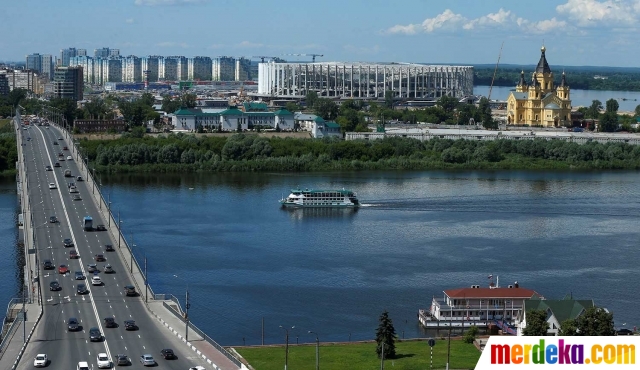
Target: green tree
x: 386, y: 334
x: 388, y: 99
x: 326, y: 109
x: 170, y: 105
x: 311, y: 98
x: 537, y: 324
x: 609, y: 122
x: 484, y: 110
x: 637, y: 110
x: 448, y: 103
x: 612, y: 106
x: 147, y: 99
x: 595, y: 321
x: 471, y: 334
x: 188, y: 100
x: 16, y: 96
x: 594, y: 110
x: 292, y: 107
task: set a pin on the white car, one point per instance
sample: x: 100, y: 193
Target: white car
x: 147, y: 360
x: 96, y: 280
x: 69, y: 158
x: 103, y: 361
x: 52, y: 185
x: 40, y: 360
x: 197, y: 368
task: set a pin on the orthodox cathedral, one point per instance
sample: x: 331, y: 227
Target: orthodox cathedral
x: 540, y: 102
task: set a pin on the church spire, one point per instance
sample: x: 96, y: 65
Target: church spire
x: 563, y: 82
x: 543, y: 66
x: 522, y: 81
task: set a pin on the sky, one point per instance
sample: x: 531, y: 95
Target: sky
x: 463, y: 32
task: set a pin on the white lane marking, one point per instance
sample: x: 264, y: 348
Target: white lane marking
x: 73, y: 238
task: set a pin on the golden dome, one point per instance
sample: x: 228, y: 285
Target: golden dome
x: 543, y: 49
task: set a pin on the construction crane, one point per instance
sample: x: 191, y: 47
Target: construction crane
x: 313, y: 56
x: 494, y: 72
x: 263, y: 57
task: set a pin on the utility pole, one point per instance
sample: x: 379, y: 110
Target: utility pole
x: 24, y: 318
x: 263, y: 330
x: 186, y: 316
x: 382, y: 357
x: 317, y: 350
x: 146, y: 283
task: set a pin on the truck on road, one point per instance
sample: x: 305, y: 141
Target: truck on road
x: 88, y: 223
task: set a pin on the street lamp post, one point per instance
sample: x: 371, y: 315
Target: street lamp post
x: 286, y: 345
x: 317, y: 350
x: 187, y: 305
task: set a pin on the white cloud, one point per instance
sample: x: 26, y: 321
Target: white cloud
x: 167, y: 2
x: 445, y: 20
x: 183, y: 45
x: 540, y: 27
x: 492, y: 19
x: 593, y: 12
x: 249, y: 44
x: 130, y: 20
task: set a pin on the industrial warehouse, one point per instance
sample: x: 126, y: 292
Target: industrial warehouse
x: 364, y: 80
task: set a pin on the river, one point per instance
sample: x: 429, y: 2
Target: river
x: 579, y: 98
x: 242, y: 258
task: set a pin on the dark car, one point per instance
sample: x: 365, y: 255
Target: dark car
x: 65, y: 148
x: 48, y: 265
x: 168, y: 354
x: 130, y: 325
x: 56, y: 164
x: 53, y: 219
x: 79, y: 275
x: 100, y: 258
x: 73, y: 254
x: 122, y: 360
x: 60, y: 138
x: 48, y: 168
x: 73, y: 324
x: 67, y: 243
x: 109, y: 248
x: 55, y: 143
x: 79, y: 178
x: 81, y: 289
x: 71, y: 185
x: 110, y: 322
x: 54, y: 286
x: 624, y: 332
x: 95, y: 335
x: 130, y: 291
x: 101, y: 228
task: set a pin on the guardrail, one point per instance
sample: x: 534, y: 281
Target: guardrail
x: 7, y: 337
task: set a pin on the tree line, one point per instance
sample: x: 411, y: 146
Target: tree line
x: 595, y: 321
x: 248, y: 152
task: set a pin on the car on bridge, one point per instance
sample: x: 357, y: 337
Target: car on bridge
x: 69, y: 158
x: 79, y: 275
x: 122, y: 360
x: 73, y: 254
x: 54, y: 286
x: 130, y: 291
x: 55, y: 143
x: 63, y: 269
x: 41, y: 360
x: 65, y: 148
x: 67, y: 243
x: 73, y: 324
x: 60, y: 138
x: 103, y: 361
x: 108, y: 269
x: 109, y: 248
x: 82, y: 289
x: 95, y: 280
x: 95, y: 335
x: 52, y: 185
x: 48, y: 168
x: 100, y: 257
x: 53, y: 220
x: 147, y: 360
x: 110, y: 322
x: 101, y: 228
x: 130, y: 325
x: 57, y: 164
x: 79, y: 178
x: 47, y: 265
x: 168, y: 354
x: 92, y: 267
x: 77, y: 197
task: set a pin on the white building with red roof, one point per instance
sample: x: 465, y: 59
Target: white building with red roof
x: 477, y: 306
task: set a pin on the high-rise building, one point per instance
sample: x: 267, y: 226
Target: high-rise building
x: 200, y: 68
x: 68, y: 83
x: 4, y: 85
x: 152, y: 64
x: 66, y: 54
x: 34, y: 62
x: 183, y: 68
x: 82, y: 53
x: 111, y: 70
x: 87, y: 67
x: 175, y: 68
x: 114, y: 52
x: 223, y: 69
x: 243, y: 69
x: 47, y: 65
x: 101, y: 53
x: 22, y: 79
x: 131, y: 69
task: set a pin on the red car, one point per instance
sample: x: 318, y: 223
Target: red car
x: 63, y: 269
x: 73, y: 254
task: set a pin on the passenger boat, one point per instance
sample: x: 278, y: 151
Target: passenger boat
x: 320, y: 198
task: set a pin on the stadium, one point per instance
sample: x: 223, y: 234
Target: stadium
x: 364, y: 80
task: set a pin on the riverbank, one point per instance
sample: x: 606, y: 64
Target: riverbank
x: 411, y: 355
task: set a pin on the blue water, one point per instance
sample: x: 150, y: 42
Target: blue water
x: 10, y: 271
x: 243, y: 258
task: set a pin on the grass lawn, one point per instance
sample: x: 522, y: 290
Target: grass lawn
x: 4, y: 122
x: 411, y: 355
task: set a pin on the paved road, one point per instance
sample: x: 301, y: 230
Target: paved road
x: 64, y: 348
